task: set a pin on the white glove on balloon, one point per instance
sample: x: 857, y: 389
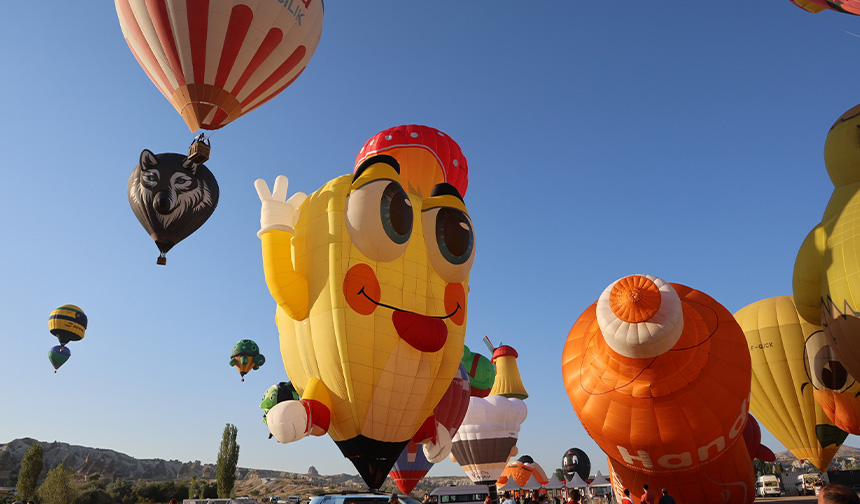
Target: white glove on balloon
x: 278, y: 212
x: 436, y: 452
x: 288, y: 421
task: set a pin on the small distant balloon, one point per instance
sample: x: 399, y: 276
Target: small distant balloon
x: 58, y: 356
x: 68, y: 323
x: 575, y: 461
x: 246, y: 356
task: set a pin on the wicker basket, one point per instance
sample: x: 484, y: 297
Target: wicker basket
x: 199, y: 152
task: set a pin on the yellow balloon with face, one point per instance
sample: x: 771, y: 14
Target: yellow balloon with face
x: 372, y: 291
x: 826, y: 279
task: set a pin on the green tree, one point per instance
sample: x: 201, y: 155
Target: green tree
x: 94, y: 491
x: 228, y: 458
x: 31, y: 468
x: 195, y: 487
x: 58, y: 487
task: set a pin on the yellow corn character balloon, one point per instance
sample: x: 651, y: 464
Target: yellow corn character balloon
x: 371, y: 285
x: 827, y: 270
x: 781, y: 398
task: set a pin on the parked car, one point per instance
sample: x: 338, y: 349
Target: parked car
x: 361, y: 498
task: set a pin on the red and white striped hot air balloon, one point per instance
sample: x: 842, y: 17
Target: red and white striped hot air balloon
x: 216, y: 60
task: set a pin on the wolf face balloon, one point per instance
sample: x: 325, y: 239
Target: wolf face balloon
x: 371, y: 284
x: 171, y: 197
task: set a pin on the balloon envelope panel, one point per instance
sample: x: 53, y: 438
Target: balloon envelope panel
x: 781, y: 397
x: 669, y: 414
x: 216, y: 61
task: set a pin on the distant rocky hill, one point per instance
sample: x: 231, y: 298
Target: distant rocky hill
x: 110, y: 464
x: 844, y: 451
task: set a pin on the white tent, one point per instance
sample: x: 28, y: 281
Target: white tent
x: 509, y: 485
x: 577, y: 481
x: 600, y: 480
x: 554, y: 483
x: 532, y: 484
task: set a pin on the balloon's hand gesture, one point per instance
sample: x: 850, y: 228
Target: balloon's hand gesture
x: 278, y: 212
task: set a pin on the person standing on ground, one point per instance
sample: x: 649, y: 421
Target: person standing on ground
x: 666, y: 498
x: 837, y: 494
x: 626, y: 499
x: 508, y: 500
x: 647, y: 497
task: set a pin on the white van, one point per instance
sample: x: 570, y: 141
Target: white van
x: 461, y: 494
x: 767, y: 485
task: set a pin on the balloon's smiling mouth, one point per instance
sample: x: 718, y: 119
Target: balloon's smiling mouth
x: 423, y: 332
x: 377, y: 303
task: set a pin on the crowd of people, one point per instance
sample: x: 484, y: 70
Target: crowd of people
x: 829, y: 494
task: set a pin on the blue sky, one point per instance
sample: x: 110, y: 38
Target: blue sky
x: 679, y: 139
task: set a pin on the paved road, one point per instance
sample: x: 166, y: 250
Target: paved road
x: 790, y: 499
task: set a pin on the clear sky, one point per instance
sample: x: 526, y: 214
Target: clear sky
x: 679, y: 139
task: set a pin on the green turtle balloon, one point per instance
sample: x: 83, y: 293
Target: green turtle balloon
x: 246, y: 356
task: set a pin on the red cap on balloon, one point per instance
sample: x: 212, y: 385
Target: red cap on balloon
x: 426, y: 156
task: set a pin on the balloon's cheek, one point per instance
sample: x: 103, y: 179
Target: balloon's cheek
x: 455, y: 303
x: 361, y: 289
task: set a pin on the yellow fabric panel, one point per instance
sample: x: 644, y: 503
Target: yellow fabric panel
x: 380, y: 386
x: 831, y: 253
x: 807, y: 276
x: 287, y: 287
x: 777, y: 335
x: 809, y: 6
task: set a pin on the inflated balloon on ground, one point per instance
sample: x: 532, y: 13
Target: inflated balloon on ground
x: 575, y: 461
x: 781, y: 398
x: 659, y: 376
x: 371, y: 284
x: 826, y: 278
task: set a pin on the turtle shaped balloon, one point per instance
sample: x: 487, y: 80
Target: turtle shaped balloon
x: 246, y: 356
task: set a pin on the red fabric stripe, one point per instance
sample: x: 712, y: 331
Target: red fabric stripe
x: 285, y: 86
x: 218, y: 119
x: 475, y: 360
x: 273, y: 38
x: 161, y: 22
x: 285, y: 68
x: 148, y: 57
x: 240, y: 21
x: 198, y: 23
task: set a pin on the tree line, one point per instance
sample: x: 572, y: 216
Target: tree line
x: 61, y: 485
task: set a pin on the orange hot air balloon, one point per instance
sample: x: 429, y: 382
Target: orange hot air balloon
x: 659, y: 375
x: 522, y: 470
x: 426, y: 155
x: 218, y: 60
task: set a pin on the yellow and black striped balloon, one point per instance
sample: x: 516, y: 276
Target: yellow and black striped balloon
x: 68, y: 323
